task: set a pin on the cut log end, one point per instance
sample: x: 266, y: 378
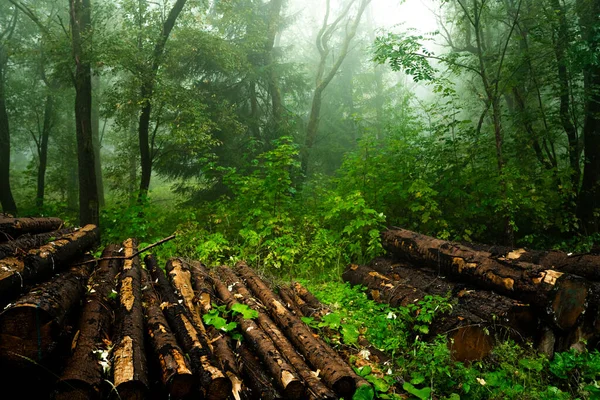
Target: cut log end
x: 294, y: 390
x: 345, y: 387
x: 75, y: 389
x: 469, y: 343
x: 181, y: 385
x: 132, y: 390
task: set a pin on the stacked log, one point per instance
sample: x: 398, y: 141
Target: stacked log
x: 537, y: 295
x: 12, y: 228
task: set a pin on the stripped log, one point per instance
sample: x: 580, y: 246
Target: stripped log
x: 335, y: 372
x: 84, y: 374
x: 31, y: 328
x: 222, y: 347
x: 314, y: 385
x: 260, y: 382
x: 41, y: 263
x: 175, y: 373
x: 213, y: 382
x: 11, y: 228
x: 282, y: 372
x: 562, y: 298
x: 130, y: 375
x: 27, y: 242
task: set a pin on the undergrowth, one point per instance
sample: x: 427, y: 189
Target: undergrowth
x: 426, y: 370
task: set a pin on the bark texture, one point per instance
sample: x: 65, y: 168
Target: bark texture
x: 130, y: 375
x: 175, y: 373
x: 212, y: 381
x: 11, y: 228
x: 335, y: 373
x: 26, y: 242
x: 83, y: 377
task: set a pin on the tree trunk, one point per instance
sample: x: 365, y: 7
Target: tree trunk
x: 146, y: 94
x: 83, y: 377
x: 88, y: 190
x: 130, y: 375
x: 31, y: 328
x: 588, y: 208
x: 97, y: 140
x: 175, y: 373
x: 43, y: 150
x: 11, y: 228
x: 6, y: 198
x: 315, y: 386
x: 24, y: 243
x: 213, y: 382
x: 334, y: 371
x: 283, y: 374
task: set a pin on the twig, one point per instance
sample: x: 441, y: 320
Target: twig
x: 131, y: 256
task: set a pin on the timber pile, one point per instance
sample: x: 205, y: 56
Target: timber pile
x: 117, y: 327
x: 549, y: 298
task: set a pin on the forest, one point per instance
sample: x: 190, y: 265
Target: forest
x: 295, y: 135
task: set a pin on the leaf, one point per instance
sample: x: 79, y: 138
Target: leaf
x: 243, y: 309
x: 364, y: 371
x: 364, y: 392
x: 422, y: 394
x: 350, y: 333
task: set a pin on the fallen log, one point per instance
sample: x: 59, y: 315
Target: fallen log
x: 175, y: 373
x: 335, y: 373
x: 31, y: 328
x: 11, y: 228
x: 514, y: 315
x: 260, y: 382
x: 281, y: 371
x: 212, y: 381
x: 41, y: 263
x: 181, y: 280
x: 130, y: 375
x: 26, y: 242
x: 562, y: 298
x: 314, y: 385
x: 84, y: 375
x: 222, y: 347
x: 470, y: 325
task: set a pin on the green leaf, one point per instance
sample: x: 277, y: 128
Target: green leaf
x: 364, y: 392
x: 243, y: 309
x: 423, y: 394
x: 350, y: 333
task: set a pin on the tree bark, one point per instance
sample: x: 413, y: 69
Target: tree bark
x: 43, y: 150
x: 282, y: 373
x: 96, y: 139
x: 212, y: 381
x: 561, y: 298
x: 146, y: 94
x: 41, y: 263
x: 222, y: 347
x: 88, y: 191
x: 7, y: 200
x: 84, y: 376
x: 130, y: 375
x: 11, y: 228
x: 31, y: 328
x: 334, y: 371
x: 260, y: 382
x: 588, y: 208
x: 175, y: 373
x: 314, y: 385
x: 24, y: 243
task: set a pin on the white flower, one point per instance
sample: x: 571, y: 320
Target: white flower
x: 481, y: 381
x: 391, y: 315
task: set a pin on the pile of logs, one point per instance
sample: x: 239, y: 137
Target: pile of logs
x: 551, y: 299
x: 78, y: 327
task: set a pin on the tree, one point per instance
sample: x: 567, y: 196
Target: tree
x: 6, y: 197
x: 146, y: 93
x: 80, y: 11
x: 324, y: 75
x: 589, y: 198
